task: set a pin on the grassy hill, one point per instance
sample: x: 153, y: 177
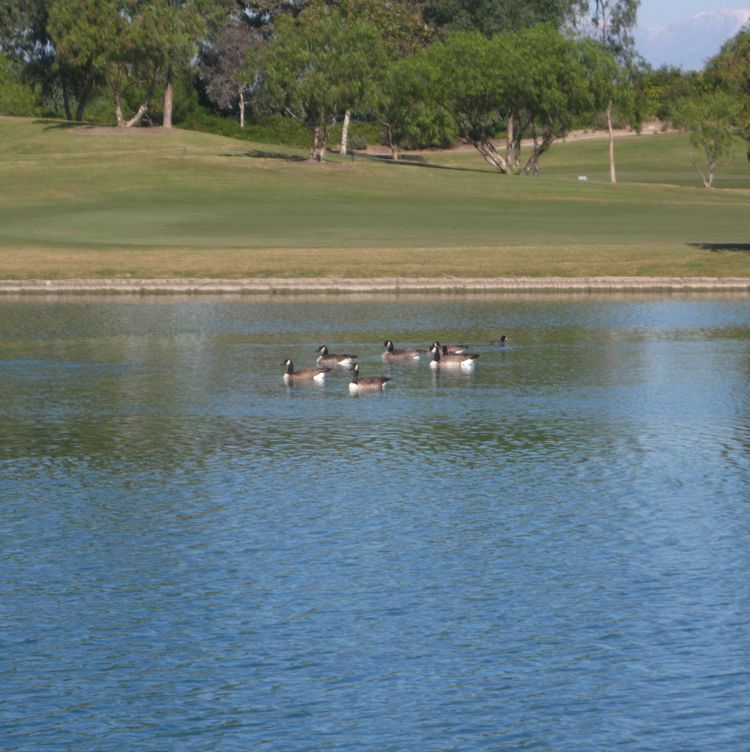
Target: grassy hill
x: 83, y: 202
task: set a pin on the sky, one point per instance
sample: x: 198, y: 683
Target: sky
x: 658, y: 12
x: 668, y: 32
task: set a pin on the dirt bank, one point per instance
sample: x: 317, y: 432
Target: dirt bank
x: 383, y: 285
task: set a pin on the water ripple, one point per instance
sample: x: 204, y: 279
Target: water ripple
x: 550, y: 552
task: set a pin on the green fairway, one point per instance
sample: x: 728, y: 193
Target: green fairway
x: 81, y: 203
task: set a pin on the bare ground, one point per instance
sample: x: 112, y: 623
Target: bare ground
x: 382, y: 285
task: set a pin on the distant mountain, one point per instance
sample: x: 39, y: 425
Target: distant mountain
x: 690, y: 41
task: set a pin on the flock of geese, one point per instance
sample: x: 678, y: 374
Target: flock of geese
x: 442, y: 356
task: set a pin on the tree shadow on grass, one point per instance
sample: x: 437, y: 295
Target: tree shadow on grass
x: 420, y: 161
x: 723, y: 247
x: 262, y: 154
x: 59, y: 124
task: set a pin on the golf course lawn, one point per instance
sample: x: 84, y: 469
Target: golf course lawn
x: 81, y: 202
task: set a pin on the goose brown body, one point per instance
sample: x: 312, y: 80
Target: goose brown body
x: 452, y: 349
x: 366, y: 383
x: 345, y: 360
x: 303, y: 374
x: 466, y: 361
x: 393, y: 354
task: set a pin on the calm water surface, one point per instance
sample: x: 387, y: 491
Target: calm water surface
x: 551, y: 553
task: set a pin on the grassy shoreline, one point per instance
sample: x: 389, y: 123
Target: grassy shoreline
x: 79, y: 203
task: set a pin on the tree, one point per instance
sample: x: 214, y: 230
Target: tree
x: 25, y: 42
x: 474, y: 72
x: 399, y: 24
x: 407, y: 107
x: 550, y: 88
x: 613, y: 22
x: 531, y: 82
x: 730, y: 70
x: 317, y: 66
x: 184, y: 23
x: 491, y: 17
x: 16, y: 98
x: 85, y: 35
x: 711, y: 119
x: 223, y: 64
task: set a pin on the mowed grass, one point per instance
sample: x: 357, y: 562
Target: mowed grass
x: 77, y: 202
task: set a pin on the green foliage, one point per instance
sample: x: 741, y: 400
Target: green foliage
x: 409, y: 108
x: 16, y: 97
x: 268, y: 129
x: 657, y: 92
x: 473, y: 81
x: 730, y: 70
x: 317, y: 66
x: 711, y: 119
x: 731, y: 67
x: 612, y: 24
x: 490, y: 17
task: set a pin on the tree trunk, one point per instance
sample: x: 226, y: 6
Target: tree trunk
x: 532, y: 166
x: 79, y: 109
x: 242, y: 106
x: 391, y: 143
x: 118, y: 109
x: 345, y: 132
x: 490, y: 154
x: 84, y: 97
x: 318, y: 148
x: 168, y: 101
x: 66, y: 102
x: 509, y: 142
x: 612, y: 172
x: 709, y: 181
x: 142, y: 110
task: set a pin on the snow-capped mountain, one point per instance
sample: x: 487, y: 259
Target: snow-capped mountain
x: 691, y: 41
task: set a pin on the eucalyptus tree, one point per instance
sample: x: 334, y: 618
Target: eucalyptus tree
x: 408, y: 106
x: 558, y: 81
x: 612, y: 24
x: 24, y: 40
x: 318, y: 66
x: 16, y: 97
x: 710, y: 117
x: 729, y: 70
x: 184, y: 24
x: 223, y: 64
x: 399, y: 24
x: 491, y: 17
x: 85, y: 35
x: 532, y: 83
x: 474, y: 84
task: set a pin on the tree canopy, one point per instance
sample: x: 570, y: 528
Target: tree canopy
x: 318, y: 65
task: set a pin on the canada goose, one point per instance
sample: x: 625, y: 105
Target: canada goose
x: 345, y: 360
x: 304, y: 374
x: 465, y: 361
x: 500, y: 341
x: 366, y: 383
x: 452, y: 349
x: 392, y: 354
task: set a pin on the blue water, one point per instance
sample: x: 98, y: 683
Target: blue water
x: 550, y: 553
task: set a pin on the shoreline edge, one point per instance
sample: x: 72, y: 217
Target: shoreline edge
x: 343, y: 285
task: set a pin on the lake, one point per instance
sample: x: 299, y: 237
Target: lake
x: 549, y: 553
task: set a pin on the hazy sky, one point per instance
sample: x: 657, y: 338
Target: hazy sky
x: 658, y: 12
